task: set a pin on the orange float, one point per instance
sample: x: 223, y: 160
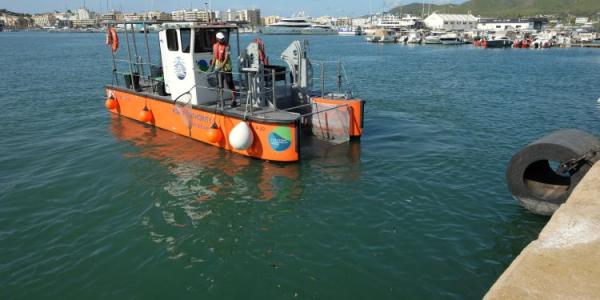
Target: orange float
x: 146, y: 115
x: 111, y: 104
x: 214, y: 134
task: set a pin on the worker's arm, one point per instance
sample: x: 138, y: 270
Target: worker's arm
x: 227, y: 54
x: 213, y: 61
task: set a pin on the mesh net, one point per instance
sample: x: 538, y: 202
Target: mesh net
x: 331, y: 124
x: 183, y: 105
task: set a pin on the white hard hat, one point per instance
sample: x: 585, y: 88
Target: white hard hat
x: 220, y: 36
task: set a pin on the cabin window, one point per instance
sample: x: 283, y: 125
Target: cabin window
x: 186, y: 39
x: 202, y: 42
x: 172, y: 43
x: 204, y: 39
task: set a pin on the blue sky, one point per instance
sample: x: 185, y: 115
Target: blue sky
x: 268, y: 7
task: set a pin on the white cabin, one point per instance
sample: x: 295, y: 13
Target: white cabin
x: 186, y: 53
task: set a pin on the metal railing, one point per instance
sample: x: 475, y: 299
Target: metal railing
x: 342, y: 82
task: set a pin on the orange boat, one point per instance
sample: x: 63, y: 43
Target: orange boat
x: 277, y: 105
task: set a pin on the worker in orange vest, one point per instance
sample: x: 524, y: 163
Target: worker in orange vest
x: 221, y: 63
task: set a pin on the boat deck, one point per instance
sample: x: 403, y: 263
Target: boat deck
x: 257, y: 114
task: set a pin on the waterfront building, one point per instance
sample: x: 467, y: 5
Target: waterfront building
x: 157, y: 15
x: 504, y: 24
x: 178, y: 15
x: 324, y: 20
x: 111, y: 16
x: 362, y: 22
x: 266, y: 21
x: 84, y: 23
x: 133, y: 17
x: 44, y: 20
x: 13, y: 21
x: 451, y: 22
x: 343, y: 22
x: 250, y: 16
x: 581, y: 20
x: 193, y: 15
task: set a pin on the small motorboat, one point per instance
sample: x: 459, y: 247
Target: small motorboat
x: 451, y: 38
x: 382, y: 36
x: 501, y: 42
x: 433, y: 38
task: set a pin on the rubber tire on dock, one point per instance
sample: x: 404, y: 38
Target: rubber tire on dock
x: 531, y: 175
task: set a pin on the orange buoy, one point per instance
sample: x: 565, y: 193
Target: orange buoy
x: 214, y: 134
x: 111, y: 103
x: 146, y: 115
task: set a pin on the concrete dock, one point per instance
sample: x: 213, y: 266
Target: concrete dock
x: 564, y: 262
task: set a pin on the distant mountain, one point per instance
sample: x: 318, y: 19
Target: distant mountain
x: 10, y: 13
x: 416, y: 8
x: 511, y: 8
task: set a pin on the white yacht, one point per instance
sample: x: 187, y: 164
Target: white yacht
x: 297, y: 25
x: 388, y: 21
x: 350, y: 31
x: 433, y: 38
x: 451, y: 38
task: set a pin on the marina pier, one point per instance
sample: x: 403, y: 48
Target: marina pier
x: 563, y: 262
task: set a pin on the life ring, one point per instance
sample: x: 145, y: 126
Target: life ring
x: 112, y: 39
x: 261, y: 52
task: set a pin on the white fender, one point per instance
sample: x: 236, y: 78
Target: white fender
x: 241, y: 137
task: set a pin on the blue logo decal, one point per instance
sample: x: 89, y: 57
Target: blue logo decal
x: 280, y: 139
x: 180, y: 68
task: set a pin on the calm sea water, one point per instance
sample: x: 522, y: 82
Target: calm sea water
x: 92, y: 206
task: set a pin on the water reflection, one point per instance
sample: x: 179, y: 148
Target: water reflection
x: 212, y: 202
x: 203, y: 172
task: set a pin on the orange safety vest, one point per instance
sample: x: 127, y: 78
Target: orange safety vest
x: 220, y: 52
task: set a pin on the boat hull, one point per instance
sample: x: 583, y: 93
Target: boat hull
x: 452, y: 42
x: 432, y: 41
x: 272, y: 141
x: 499, y: 44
